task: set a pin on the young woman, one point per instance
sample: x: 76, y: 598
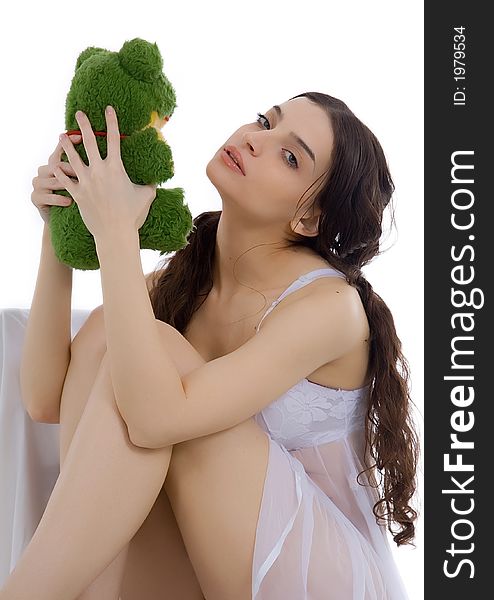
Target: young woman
x: 239, y: 460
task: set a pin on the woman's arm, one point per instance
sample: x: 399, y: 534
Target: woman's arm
x: 139, y: 363
x: 162, y: 408
x: 296, y: 339
x: 46, y: 351
x: 113, y: 209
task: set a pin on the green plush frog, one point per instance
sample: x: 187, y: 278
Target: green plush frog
x: 133, y: 82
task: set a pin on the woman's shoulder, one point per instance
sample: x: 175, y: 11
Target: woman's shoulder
x: 329, y: 278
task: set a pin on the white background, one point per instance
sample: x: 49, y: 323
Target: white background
x: 227, y: 60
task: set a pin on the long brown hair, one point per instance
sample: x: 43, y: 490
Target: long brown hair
x: 352, y: 196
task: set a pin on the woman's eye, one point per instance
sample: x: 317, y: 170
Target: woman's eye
x: 293, y: 165
x: 262, y: 119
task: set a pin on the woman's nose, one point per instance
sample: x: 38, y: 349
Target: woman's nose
x: 252, y: 144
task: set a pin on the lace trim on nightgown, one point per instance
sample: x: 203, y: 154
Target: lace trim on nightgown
x: 309, y: 413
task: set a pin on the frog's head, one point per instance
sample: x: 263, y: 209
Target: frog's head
x: 133, y: 82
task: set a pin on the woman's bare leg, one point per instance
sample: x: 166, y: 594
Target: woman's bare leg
x: 156, y: 558
x: 87, y: 350
x: 102, y: 496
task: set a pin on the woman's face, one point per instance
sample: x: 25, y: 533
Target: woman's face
x: 282, y: 153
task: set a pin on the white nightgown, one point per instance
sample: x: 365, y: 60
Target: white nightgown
x: 317, y: 537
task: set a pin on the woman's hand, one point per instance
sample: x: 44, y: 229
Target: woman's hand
x: 107, y: 199
x: 45, y: 183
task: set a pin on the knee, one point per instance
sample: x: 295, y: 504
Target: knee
x: 185, y: 356
x: 91, y: 336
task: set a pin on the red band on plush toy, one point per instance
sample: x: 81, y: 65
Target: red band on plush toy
x: 100, y: 133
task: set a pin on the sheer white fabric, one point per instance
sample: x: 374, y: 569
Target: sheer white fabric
x: 29, y: 451
x: 317, y: 537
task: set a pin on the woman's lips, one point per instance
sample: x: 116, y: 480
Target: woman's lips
x: 234, y: 152
x: 230, y: 162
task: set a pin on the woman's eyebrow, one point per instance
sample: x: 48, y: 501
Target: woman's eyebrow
x: 299, y: 140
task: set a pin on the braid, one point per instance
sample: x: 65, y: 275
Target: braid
x: 390, y: 435
x: 365, y: 289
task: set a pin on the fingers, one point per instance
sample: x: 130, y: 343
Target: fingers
x: 67, y: 169
x: 46, y: 180
x: 54, y: 182
x: 69, y: 184
x: 112, y: 133
x: 56, y: 155
x: 74, y: 158
x: 43, y: 200
x: 88, y: 137
x: 46, y: 171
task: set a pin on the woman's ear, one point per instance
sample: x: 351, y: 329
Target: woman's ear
x: 307, y: 226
